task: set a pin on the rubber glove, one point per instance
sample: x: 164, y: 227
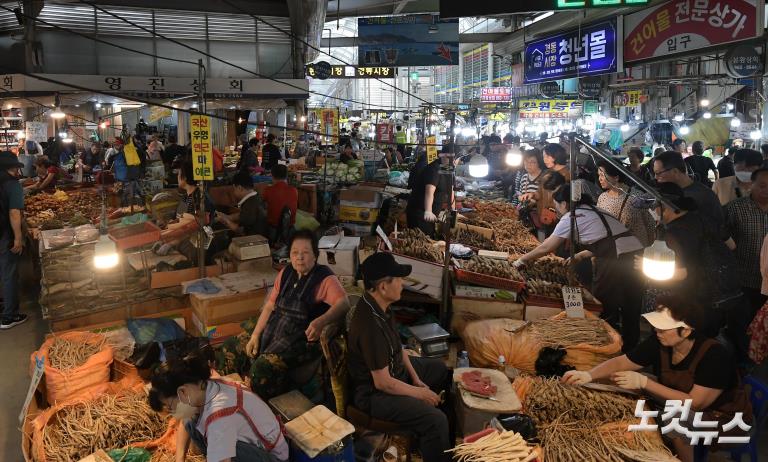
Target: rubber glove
x: 630, y: 380
x: 430, y: 217
x: 576, y: 377
x: 518, y: 263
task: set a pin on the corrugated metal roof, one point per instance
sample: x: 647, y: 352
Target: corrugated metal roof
x: 175, y: 24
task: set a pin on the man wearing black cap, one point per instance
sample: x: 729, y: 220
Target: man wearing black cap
x: 11, y: 238
x: 389, y: 384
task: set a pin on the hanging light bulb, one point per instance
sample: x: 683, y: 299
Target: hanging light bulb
x: 97, y: 105
x: 467, y: 132
x: 57, y: 113
x: 624, y: 127
x: 707, y: 115
x: 638, y: 117
x: 729, y: 106
x: 105, y: 255
x: 679, y: 117
x: 735, y: 122
x: 514, y: 158
x: 684, y: 130
x: 756, y: 134
x: 659, y: 261
x: 303, y: 118
x: 478, y: 166
x: 704, y: 102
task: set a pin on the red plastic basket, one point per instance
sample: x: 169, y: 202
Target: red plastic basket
x: 128, y: 237
x: 488, y: 281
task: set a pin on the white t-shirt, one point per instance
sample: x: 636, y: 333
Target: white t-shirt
x: 224, y: 433
x: 591, y: 229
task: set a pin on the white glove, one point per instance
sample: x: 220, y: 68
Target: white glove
x: 518, y: 263
x: 630, y: 380
x: 430, y: 217
x: 576, y: 377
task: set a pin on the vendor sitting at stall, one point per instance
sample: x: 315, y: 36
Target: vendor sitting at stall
x: 48, y: 175
x: 280, y: 197
x: 388, y: 383
x: 226, y: 421
x: 306, y: 297
x: 426, y: 198
x: 688, y: 366
x: 612, y: 248
x: 348, y: 154
x: 251, y: 216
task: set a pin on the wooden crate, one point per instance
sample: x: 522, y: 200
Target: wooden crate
x: 160, y: 307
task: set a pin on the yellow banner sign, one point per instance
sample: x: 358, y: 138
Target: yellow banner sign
x: 156, y: 113
x: 628, y: 98
x: 202, y: 150
x: 549, y: 108
x: 431, y: 149
x: 329, y: 124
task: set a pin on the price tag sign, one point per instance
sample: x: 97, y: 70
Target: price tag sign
x: 37, y: 375
x: 384, y: 237
x: 574, y: 304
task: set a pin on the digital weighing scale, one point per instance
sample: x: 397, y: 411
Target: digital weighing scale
x: 429, y: 340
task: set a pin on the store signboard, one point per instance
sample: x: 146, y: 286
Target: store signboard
x: 411, y: 40
x: 36, y: 131
x: 385, y: 133
x: 592, y: 50
x: 743, y: 61
x: 339, y: 71
x: 682, y: 26
x: 549, y: 108
x: 431, y: 148
x: 202, y: 149
x: 457, y: 9
x: 591, y: 107
x: 495, y: 94
x: 628, y: 98
x: 158, y: 86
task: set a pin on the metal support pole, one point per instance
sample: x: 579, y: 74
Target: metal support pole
x: 448, y: 169
x: 574, y: 151
x: 201, y: 185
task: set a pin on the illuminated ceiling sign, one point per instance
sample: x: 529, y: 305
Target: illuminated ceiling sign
x: 455, y: 9
x: 340, y: 71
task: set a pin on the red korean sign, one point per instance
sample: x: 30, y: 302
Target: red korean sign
x: 385, y: 133
x: 496, y: 94
x: 681, y: 26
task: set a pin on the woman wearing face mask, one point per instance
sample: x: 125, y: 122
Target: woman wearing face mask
x: 616, y: 200
x: 612, y: 247
x: 688, y: 366
x: 226, y: 421
x: 704, y: 267
x: 745, y: 161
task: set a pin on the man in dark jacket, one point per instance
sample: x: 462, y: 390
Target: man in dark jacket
x: 270, y: 153
x: 11, y: 238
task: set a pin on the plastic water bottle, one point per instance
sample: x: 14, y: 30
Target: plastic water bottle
x: 462, y: 360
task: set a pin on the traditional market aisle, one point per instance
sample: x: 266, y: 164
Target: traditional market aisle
x: 15, y: 347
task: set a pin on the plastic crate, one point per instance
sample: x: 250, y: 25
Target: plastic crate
x: 488, y: 281
x: 128, y: 237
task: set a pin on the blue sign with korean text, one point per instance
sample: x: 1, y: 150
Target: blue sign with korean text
x: 591, y: 50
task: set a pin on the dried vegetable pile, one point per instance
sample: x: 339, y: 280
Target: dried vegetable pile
x: 53, y: 211
x: 576, y: 423
x: 489, y: 211
x: 493, y: 267
x: 506, y: 446
x: 550, y: 269
x: 65, y: 354
x: 511, y: 236
x: 474, y: 239
x: 568, y: 332
x: 414, y: 243
x: 109, y: 421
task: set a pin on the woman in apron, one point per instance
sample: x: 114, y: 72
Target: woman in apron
x: 688, y: 366
x: 305, y: 298
x: 226, y: 421
x: 612, y: 248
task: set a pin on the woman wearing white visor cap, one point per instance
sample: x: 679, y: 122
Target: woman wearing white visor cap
x: 686, y: 366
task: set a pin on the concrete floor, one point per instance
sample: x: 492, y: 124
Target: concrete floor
x: 17, y: 344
